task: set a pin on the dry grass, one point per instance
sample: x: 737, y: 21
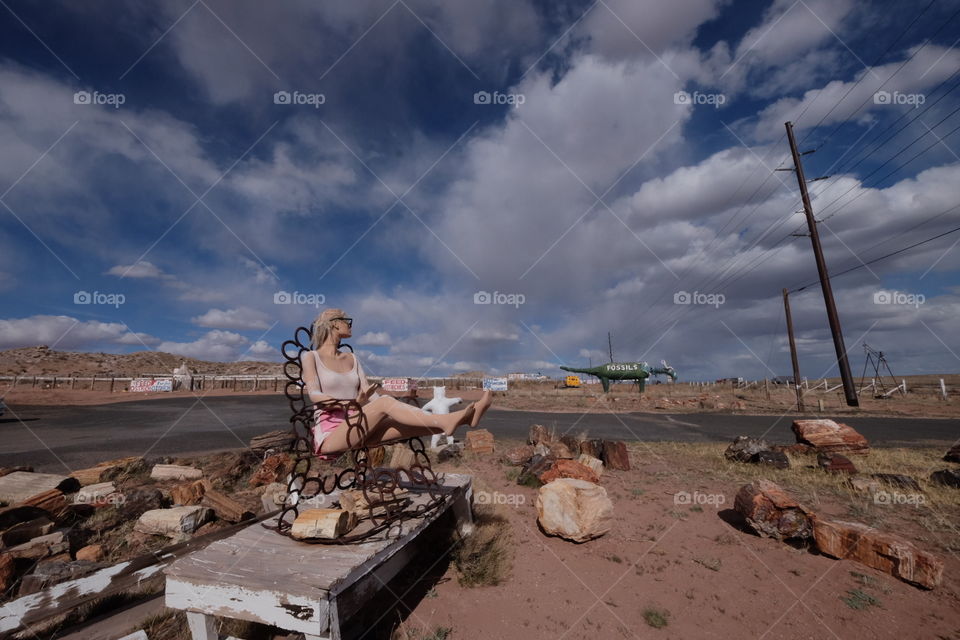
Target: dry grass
x: 938, y: 514
x: 483, y: 558
x: 413, y: 633
x: 169, y: 624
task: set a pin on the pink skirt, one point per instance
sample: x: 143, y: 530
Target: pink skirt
x: 326, y: 421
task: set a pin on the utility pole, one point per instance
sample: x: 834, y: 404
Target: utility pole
x: 842, y: 363
x: 793, y: 351
x: 610, y: 345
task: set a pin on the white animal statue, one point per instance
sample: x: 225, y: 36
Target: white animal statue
x: 183, y: 377
x: 439, y: 405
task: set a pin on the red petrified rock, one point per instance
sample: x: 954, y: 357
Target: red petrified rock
x: 91, y: 552
x: 569, y: 469
x: 479, y: 441
x: 771, y: 512
x: 835, y: 463
x: 592, y: 448
x: 273, y: 469
x: 830, y: 437
x: 187, y: 493
x: 886, y: 552
x: 518, y: 455
x: 615, y: 455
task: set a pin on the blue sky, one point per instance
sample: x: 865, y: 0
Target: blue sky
x: 625, y: 157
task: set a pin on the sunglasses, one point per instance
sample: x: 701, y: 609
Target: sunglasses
x: 349, y: 321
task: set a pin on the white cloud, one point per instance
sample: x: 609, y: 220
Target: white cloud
x: 627, y: 29
x: 141, y: 269
x: 138, y: 339
x: 378, y: 338
x: 839, y: 101
x: 61, y: 332
x: 493, y: 335
x: 239, y: 318
x: 216, y: 345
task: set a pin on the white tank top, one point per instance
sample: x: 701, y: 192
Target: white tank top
x: 342, y: 386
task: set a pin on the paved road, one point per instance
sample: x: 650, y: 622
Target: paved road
x: 73, y: 437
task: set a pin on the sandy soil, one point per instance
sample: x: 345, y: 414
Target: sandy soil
x: 695, y: 564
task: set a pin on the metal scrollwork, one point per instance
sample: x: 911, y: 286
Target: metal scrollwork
x: 310, y: 477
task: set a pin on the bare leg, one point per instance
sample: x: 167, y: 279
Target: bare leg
x: 404, y: 414
x: 390, y: 419
x: 481, y: 407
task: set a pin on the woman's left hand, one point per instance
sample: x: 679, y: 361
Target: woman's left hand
x: 365, y: 394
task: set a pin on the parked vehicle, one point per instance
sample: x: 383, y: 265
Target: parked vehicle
x: 571, y: 382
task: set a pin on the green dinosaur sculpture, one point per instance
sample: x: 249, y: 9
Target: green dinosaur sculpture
x: 638, y: 371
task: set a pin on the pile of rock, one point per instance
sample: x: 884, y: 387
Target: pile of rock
x: 771, y: 512
x: 50, y: 521
x: 570, y: 501
x: 38, y: 545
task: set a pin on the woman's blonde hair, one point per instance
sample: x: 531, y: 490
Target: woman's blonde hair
x: 323, y: 325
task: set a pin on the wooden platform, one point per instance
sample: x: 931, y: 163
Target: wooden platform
x: 262, y: 576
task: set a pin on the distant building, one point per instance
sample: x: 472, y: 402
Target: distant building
x: 525, y: 376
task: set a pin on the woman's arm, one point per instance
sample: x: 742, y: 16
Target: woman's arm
x: 364, y: 384
x: 310, y: 380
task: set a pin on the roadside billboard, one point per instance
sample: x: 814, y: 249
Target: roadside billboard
x: 495, y: 384
x: 151, y: 384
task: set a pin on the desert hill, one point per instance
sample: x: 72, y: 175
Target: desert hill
x: 42, y: 360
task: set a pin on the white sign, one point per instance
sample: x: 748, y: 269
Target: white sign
x: 151, y: 384
x: 399, y: 385
x: 495, y: 384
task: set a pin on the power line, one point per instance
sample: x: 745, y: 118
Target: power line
x: 878, y: 59
x: 884, y: 257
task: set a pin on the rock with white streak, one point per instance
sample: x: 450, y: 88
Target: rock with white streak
x: 883, y: 551
x: 173, y: 521
x: 175, y: 472
x: 574, y: 509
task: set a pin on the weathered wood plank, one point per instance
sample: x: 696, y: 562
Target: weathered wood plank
x: 267, y: 606
x: 59, y: 599
x: 261, y: 576
x: 18, y: 486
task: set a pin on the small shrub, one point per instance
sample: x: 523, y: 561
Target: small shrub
x: 859, y: 599
x: 656, y: 618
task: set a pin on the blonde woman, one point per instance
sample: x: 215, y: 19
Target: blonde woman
x: 329, y: 374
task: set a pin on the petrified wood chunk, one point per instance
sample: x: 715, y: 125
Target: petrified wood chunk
x: 574, y: 509
x: 829, y: 436
x: 771, y: 512
x: 743, y: 448
x: 518, y: 455
x: 886, y: 552
x: 835, y: 463
x: 775, y: 459
x: 946, y: 477
x: 322, y: 523
x: 479, y: 441
x: 615, y: 455
x: 569, y: 469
